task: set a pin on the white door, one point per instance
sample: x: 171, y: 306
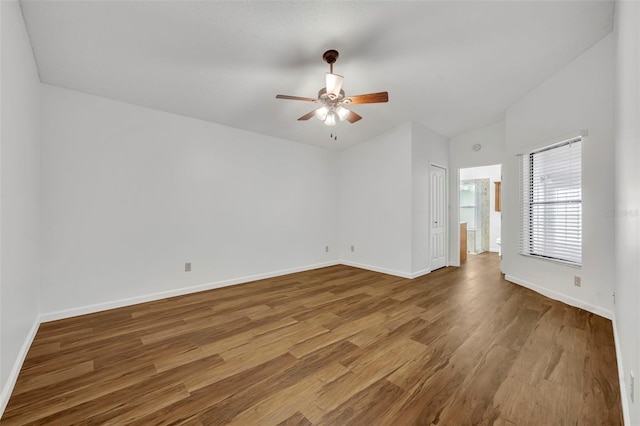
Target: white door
x: 437, y: 201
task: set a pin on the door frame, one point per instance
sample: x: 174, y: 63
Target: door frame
x: 446, y: 214
x: 455, y: 238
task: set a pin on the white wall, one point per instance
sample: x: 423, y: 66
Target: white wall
x: 626, y: 215
x: 130, y: 194
x: 579, y: 97
x: 494, y: 174
x: 427, y: 147
x: 462, y: 155
x: 384, y: 200
x: 19, y: 195
x: 375, y: 203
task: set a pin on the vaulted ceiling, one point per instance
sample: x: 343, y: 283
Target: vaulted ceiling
x: 452, y: 66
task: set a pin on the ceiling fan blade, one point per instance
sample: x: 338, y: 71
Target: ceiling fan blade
x: 307, y: 116
x: 334, y: 83
x: 369, y: 98
x: 295, y: 98
x: 352, y: 117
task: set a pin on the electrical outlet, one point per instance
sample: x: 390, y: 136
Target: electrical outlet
x: 326, y: 249
x: 187, y: 267
x: 631, y: 386
x: 577, y: 281
x: 353, y: 248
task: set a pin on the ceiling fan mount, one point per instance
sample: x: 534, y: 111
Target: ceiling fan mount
x: 332, y: 98
x: 330, y: 57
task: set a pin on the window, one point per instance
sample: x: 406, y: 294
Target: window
x: 551, y: 202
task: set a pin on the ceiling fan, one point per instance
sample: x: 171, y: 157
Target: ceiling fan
x: 332, y: 99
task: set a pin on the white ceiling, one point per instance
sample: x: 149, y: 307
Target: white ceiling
x: 451, y: 65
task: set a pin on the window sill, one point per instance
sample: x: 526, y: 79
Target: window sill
x: 558, y: 261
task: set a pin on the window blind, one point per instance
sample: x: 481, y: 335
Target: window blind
x: 551, y: 202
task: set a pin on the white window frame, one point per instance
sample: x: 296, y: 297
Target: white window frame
x: 551, y: 209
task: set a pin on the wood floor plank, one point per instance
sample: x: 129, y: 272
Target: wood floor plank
x: 297, y: 419
x: 295, y: 333
x: 48, y: 401
x: 34, y: 381
x: 474, y: 399
x: 233, y: 406
x: 335, y: 345
x: 342, y: 332
x: 364, y: 407
x: 191, y: 408
x: 297, y: 398
x: 235, y: 366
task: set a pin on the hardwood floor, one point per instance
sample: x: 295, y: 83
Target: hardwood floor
x: 333, y: 346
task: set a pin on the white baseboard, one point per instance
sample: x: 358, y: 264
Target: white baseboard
x: 621, y: 375
x: 420, y: 273
x: 400, y: 274
x: 562, y: 297
x: 119, y: 303
x: 376, y: 269
x: 17, y: 366
x: 98, y: 307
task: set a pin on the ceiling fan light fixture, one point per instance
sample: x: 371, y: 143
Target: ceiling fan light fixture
x: 331, y: 119
x: 342, y: 112
x: 321, y: 113
x: 333, y: 84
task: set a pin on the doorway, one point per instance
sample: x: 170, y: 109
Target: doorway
x: 480, y: 208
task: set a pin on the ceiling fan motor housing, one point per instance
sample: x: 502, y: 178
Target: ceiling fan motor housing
x: 325, y: 97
